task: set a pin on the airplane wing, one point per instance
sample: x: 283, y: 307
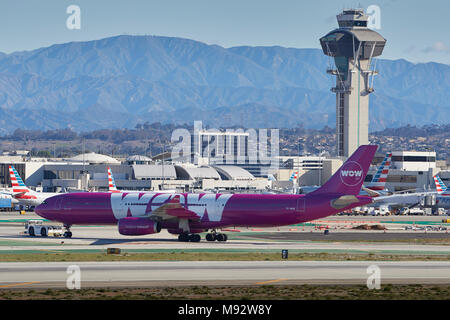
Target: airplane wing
x: 173, y: 209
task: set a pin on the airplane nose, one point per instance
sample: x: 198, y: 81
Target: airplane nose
x: 38, y: 209
x: 42, y: 210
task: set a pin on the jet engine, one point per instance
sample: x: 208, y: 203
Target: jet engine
x: 134, y: 226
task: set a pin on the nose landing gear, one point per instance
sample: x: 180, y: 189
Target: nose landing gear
x: 68, y: 233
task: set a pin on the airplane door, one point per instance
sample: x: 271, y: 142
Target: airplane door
x: 300, y: 205
x: 123, y: 209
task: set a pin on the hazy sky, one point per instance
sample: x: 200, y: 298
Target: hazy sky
x: 416, y: 30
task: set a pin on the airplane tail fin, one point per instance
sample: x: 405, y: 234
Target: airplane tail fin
x: 350, y: 176
x: 111, y: 183
x: 440, y: 185
x: 294, y: 176
x: 17, y: 183
x: 379, y: 179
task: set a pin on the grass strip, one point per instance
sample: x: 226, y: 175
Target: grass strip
x: 212, y: 256
x: 257, y: 292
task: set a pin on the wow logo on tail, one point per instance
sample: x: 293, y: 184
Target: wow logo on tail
x: 351, y: 173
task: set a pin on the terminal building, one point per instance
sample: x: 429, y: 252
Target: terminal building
x: 232, y: 147
x: 134, y: 173
x: 410, y: 171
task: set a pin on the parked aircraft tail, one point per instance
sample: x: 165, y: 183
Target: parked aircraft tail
x: 440, y: 185
x: 111, y: 183
x: 17, y: 183
x: 379, y: 179
x: 294, y: 176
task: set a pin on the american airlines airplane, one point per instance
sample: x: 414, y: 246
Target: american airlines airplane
x: 443, y: 194
x: 111, y: 182
x: 377, y: 186
x: 188, y: 214
x: 415, y: 198
x: 25, y: 196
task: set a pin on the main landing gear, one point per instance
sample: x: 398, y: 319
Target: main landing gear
x: 68, y: 233
x: 213, y: 236
x: 193, y: 237
x: 189, y: 237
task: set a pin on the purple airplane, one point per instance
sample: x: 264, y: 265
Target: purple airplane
x: 187, y: 214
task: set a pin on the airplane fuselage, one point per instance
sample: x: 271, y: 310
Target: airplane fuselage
x: 211, y: 210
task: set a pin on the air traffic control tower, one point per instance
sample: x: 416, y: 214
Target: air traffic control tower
x: 353, y: 46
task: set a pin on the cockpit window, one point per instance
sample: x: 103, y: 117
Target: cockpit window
x: 44, y: 202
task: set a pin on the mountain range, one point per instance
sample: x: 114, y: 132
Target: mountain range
x: 120, y: 81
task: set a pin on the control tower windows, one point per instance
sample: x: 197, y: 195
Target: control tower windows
x: 360, y: 23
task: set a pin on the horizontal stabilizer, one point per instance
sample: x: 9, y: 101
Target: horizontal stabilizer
x: 19, y: 194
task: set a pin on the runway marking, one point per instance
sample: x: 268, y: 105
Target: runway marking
x: 272, y: 281
x: 18, y: 284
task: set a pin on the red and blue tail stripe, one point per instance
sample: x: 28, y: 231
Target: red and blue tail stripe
x: 16, y: 181
x: 111, y: 183
x: 379, y: 179
x: 294, y: 176
x: 440, y: 185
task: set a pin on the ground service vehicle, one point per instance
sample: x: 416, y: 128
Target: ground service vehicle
x: 36, y: 227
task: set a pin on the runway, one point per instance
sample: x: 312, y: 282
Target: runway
x: 165, y: 241
x: 305, y: 238
x: 143, y: 274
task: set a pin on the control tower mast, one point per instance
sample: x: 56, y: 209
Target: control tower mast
x: 353, y: 46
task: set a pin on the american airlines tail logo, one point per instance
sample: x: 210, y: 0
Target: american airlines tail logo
x: 111, y: 183
x: 16, y: 181
x: 351, y: 174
